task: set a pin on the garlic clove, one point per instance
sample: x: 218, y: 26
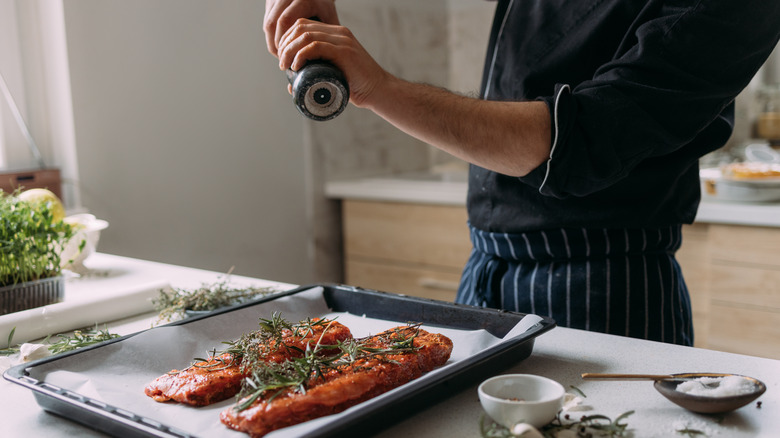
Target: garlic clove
x: 30, y: 352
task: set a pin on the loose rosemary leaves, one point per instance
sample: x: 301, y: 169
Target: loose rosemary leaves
x: 586, y: 426
x: 10, y: 349
x: 79, y: 339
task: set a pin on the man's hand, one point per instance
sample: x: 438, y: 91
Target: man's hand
x: 280, y: 15
x: 512, y: 138
x: 309, y: 40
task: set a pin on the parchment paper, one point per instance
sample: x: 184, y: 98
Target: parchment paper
x: 116, y: 374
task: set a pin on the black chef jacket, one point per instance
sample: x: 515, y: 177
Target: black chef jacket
x: 637, y: 90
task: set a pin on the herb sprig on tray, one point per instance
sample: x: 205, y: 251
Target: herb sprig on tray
x: 173, y: 304
x: 253, y: 346
x: 296, y: 373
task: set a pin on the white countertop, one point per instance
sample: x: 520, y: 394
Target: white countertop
x: 401, y: 189
x: 450, y: 189
x: 561, y: 354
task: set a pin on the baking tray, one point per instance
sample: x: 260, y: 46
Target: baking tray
x: 71, y: 402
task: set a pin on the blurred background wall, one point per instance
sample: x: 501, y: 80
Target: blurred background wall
x: 189, y: 145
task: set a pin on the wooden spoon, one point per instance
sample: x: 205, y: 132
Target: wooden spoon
x: 656, y: 377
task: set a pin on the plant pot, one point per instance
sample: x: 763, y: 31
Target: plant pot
x: 31, y: 294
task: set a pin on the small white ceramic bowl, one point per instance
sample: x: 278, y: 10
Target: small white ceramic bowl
x: 88, y: 228
x: 510, y: 399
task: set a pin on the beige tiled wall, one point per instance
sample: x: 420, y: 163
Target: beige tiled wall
x: 439, y: 42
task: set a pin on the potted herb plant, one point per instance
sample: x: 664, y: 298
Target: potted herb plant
x: 32, y: 235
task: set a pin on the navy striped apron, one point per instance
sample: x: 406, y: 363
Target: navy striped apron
x: 619, y: 281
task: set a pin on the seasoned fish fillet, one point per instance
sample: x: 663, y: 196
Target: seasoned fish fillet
x: 344, y: 385
x: 219, y: 377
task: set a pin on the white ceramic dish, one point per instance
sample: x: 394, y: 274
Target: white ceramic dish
x: 716, y: 187
x: 762, y: 153
x: 88, y: 228
x: 511, y: 399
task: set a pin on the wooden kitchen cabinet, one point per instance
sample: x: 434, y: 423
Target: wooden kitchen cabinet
x: 733, y: 274
x: 414, y: 249
x: 693, y: 257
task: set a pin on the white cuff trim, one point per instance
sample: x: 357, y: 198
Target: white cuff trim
x: 565, y: 87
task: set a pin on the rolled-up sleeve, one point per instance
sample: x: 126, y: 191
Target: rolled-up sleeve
x: 668, y: 87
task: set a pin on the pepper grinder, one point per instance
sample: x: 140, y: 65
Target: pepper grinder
x: 320, y: 90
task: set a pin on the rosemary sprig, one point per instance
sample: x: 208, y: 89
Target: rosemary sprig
x: 400, y: 342
x: 306, y: 327
x: 293, y: 374
x: 215, y: 362
x: 297, y: 374
x: 251, y: 347
x: 586, y: 426
x: 691, y: 432
x: 270, y: 379
x: 257, y: 344
x: 10, y: 349
x: 172, y: 304
x: 578, y: 391
x: 273, y: 328
x: 80, y: 339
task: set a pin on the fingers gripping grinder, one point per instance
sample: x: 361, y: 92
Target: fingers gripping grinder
x: 319, y: 90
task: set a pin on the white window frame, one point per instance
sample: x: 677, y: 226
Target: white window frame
x: 34, y: 63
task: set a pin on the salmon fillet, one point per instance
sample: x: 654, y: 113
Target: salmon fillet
x: 349, y: 381
x: 219, y: 376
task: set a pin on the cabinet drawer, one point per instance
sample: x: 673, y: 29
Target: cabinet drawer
x: 694, y: 259
x: 751, y: 331
x: 746, y: 285
x: 427, y: 283
x: 745, y: 245
x: 410, y: 233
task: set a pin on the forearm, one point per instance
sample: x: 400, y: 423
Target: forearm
x: 512, y: 138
